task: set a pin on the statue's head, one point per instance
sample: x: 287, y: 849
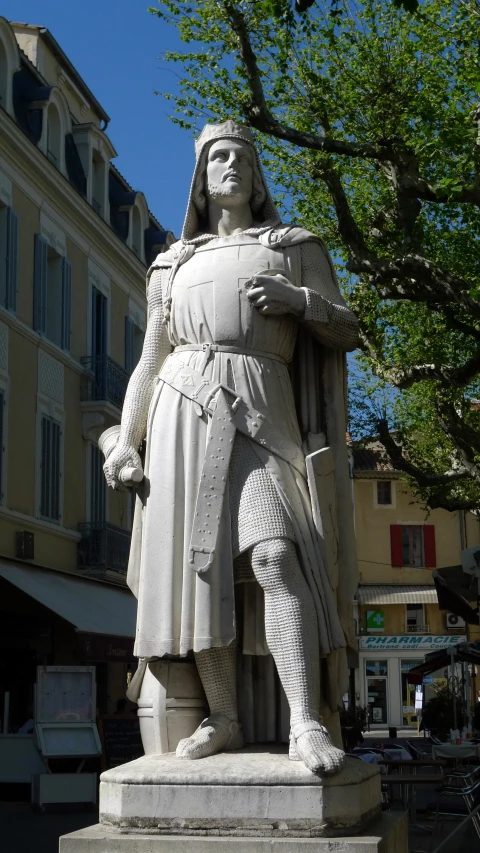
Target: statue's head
x: 227, y: 170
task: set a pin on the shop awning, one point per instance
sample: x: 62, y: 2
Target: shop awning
x: 397, y: 594
x: 462, y: 653
x: 90, y: 606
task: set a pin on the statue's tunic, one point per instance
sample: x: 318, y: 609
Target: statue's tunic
x: 178, y: 609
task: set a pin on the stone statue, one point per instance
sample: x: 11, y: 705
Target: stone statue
x: 241, y: 376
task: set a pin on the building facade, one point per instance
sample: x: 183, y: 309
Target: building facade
x: 75, y: 241
x: 398, y: 620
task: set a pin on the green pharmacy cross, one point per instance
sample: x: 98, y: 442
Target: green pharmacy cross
x: 375, y: 620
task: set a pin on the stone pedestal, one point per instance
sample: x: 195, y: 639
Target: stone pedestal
x: 236, y: 802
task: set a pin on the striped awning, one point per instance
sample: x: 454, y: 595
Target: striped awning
x: 397, y: 594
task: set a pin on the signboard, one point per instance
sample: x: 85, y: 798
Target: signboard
x: 102, y: 647
x: 419, y: 698
x: 121, y: 740
x: 428, y: 679
x: 409, y: 642
x: 375, y: 620
x: 377, y: 715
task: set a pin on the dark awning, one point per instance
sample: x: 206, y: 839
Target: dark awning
x: 457, y: 592
x: 462, y: 653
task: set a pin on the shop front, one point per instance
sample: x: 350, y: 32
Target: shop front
x: 383, y: 682
x: 50, y: 618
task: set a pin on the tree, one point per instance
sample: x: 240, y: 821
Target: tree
x: 369, y: 119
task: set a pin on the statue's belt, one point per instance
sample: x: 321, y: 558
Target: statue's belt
x: 228, y: 413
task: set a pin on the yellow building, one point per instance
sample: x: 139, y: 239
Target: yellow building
x: 75, y: 240
x: 399, y: 542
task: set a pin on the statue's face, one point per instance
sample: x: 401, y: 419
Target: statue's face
x: 230, y: 172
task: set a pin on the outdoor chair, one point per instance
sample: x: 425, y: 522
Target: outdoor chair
x: 457, y: 785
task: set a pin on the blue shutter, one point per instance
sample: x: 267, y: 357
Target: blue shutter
x: 129, y: 336
x: 50, y: 483
x: 2, y: 432
x: 40, y: 285
x: 66, y: 303
x: 11, y: 261
x: 55, y: 473
x: 45, y: 468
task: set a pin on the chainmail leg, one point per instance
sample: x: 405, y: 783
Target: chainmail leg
x: 292, y: 636
x: 218, y: 674
x: 217, y: 668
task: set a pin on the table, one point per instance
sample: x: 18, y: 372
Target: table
x: 410, y: 781
x: 456, y: 750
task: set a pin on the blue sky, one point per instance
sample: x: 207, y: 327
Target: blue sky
x: 115, y: 46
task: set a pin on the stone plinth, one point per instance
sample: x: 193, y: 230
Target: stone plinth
x: 253, y: 791
x: 387, y: 834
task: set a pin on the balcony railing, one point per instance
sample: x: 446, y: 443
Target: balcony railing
x: 103, y: 546
x: 104, y: 380
x: 416, y: 629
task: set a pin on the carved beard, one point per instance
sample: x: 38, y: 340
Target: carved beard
x: 219, y: 193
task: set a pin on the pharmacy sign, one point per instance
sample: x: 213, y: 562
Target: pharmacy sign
x: 375, y: 620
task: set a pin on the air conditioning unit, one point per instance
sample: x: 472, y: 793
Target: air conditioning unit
x: 454, y: 622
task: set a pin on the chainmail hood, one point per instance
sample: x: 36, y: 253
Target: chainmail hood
x: 263, y: 207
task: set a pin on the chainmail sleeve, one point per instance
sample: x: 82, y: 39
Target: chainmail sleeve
x: 326, y: 314
x: 144, y: 378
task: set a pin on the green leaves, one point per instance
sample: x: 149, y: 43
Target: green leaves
x: 403, y: 78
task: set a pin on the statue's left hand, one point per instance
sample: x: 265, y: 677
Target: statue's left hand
x: 275, y: 294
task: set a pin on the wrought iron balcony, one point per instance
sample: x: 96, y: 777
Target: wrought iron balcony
x: 103, y: 547
x: 416, y: 629
x: 104, y: 380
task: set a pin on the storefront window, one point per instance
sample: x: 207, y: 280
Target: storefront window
x: 376, y: 667
x: 408, y: 692
x: 376, y: 672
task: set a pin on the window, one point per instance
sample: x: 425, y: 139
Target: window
x: 415, y: 618
x: 50, y: 468
x: 137, y: 232
x: 2, y: 440
x: 134, y: 337
x: 384, y: 492
x: 54, y: 135
x: 52, y: 294
x: 4, y: 75
x: 98, y: 486
x: 98, y: 183
x: 8, y: 258
x: 413, y: 545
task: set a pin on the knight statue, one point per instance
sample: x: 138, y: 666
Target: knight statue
x: 240, y: 384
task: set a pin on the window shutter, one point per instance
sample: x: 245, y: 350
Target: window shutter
x: 40, y: 285
x: 429, y: 546
x: 45, y: 468
x: 129, y: 336
x: 55, y: 474
x: 396, y: 545
x: 12, y: 261
x: 66, y: 303
x: 50, y: 469
x: 2, y: 449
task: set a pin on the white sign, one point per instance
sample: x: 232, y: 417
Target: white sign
x: 471, y: 560
x: 408, y: 642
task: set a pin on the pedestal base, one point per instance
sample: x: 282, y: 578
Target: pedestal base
x: 255, y: 790
x: 387, y: 834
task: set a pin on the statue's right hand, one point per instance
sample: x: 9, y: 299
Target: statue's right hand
x: 122, y: 456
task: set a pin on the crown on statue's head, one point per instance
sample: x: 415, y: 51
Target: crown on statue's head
x: 228, y: 130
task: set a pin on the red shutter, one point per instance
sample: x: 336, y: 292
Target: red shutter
x: 396, y: 545
x: 429, y: 546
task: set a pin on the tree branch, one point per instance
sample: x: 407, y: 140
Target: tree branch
x: 260, y: 117
x: 448, y: 376
x: 423, y: 479
x: 347, y: 226
x: 437, y: 285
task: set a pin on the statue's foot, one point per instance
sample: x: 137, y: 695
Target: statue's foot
x: 311, y: 743
x: 215, y: 734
